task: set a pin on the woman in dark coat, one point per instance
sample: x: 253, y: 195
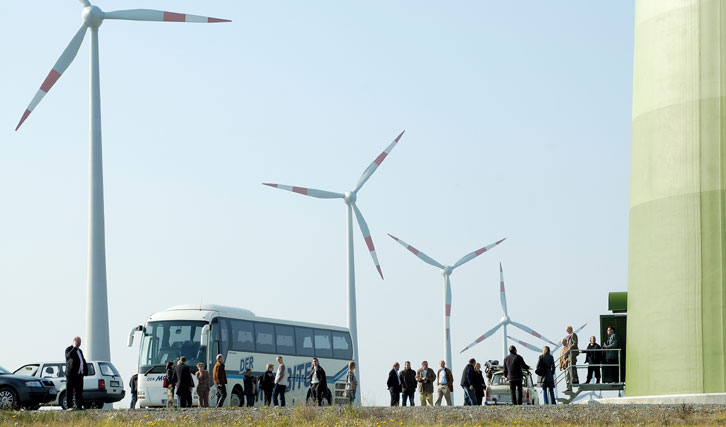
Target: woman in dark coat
x: 546, y: 371
x: 479, y: 384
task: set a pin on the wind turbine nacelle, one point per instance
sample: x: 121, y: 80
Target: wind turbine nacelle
x: 350, y: 198
x: 92, y: 16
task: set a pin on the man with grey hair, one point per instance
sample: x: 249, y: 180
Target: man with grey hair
x: 573, y: 349
x: 280, y: 383
x: 76, y: 369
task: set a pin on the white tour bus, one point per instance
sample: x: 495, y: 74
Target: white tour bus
x: 200, y: 332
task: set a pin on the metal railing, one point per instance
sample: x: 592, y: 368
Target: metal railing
x: 605, y: 386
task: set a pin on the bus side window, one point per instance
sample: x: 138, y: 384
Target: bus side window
x: 323, y: 347
x: 265, y: 337
x: 285, y: 339
x: 304, y: 342
x: 342, y: 348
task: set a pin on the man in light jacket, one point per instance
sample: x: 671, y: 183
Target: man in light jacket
x: 425, y: 378
x: 444, y: 384
x: 280, y: 383
x: 574, y: 351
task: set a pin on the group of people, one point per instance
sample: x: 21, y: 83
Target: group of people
x: 271, y: 385
x: 179, y: 382
x: 407, y: 382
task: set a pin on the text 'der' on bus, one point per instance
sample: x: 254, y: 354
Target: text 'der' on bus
x: 201, y: 332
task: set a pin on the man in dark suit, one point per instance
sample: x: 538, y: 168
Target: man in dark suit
x: 76, y: 369
x: 513, y: 370
x: 184, y: 383
x: 394, y: 385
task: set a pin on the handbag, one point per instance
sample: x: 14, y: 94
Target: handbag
x: 165, y: 383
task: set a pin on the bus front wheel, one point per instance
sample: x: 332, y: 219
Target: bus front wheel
x: 236, y: 399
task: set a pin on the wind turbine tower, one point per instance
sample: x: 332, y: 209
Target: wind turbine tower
x: 350, y: 198
x: 97, y: 339
x: 446, y: 272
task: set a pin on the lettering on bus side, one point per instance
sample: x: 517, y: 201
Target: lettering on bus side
x: 298, y: 373
x: 245, y: 364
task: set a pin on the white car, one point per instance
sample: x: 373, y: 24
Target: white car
x: 103, y: 384
x: 498, y: 392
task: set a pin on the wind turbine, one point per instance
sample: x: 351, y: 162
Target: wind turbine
x: 349, y: 199
x: 97, y: 338
x: 506, y: 320
x: 446, y: 272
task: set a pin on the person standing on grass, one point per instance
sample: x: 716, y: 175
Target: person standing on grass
x: 184, y: 383
x: 351, y: 383
x: 467, y: 383
x: 219, y: 376
x: 394, y: 384
x: 318, y: 382
x: 444, y: 384
x: 134, y: 388
x: 203, y: 385
x: 267, y: 383
x: 425, y: 377
x: 170, y: 385
x: 250, y: 387
x: 76, y: 369
x: 408, y: 383
x: 546, y: 370
x: 280, y: 383
x: 479, y: 384
x: 514, y: 368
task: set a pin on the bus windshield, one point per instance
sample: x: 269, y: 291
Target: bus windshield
x: 168, y: 341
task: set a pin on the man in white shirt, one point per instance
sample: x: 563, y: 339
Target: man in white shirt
x: 280, y: 383
x: 444, y: 384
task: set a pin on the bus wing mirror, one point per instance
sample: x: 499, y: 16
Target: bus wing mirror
x: 131, y: 334
x: 204, y: 336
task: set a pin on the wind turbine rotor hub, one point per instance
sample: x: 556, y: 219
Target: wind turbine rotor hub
x: 92, y: 16
x: 446, y: 270
x: 350, y: 198
x: 504, y: 319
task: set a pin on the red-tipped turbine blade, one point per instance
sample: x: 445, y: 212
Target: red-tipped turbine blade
x: 377, y: 162
x: 470, y: 256
x: 525, y: 344
x: 427, y: 259
x: 320, y: 194
x: 532, y: 332
x: 486, y: 335
x: 159, y: 16
x: 367, y: 237
x: 69, y: 53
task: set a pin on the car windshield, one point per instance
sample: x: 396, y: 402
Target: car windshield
x: 3, y: 371
x: 168, y: 341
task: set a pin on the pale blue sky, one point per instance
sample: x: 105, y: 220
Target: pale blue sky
x: 517, y: 119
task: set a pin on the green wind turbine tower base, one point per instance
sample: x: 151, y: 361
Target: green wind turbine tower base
x: 677, y: 243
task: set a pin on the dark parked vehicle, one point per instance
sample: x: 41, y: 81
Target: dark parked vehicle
x: 18, y: 391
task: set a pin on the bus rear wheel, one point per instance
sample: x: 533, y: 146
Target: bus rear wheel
x: 236, y: 399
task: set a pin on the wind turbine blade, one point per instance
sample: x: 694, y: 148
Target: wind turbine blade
x: 69, y: 53
x: 532, y: 332
x: 427, y: 259
x: 525, y: 344
x: 470, y: 256
x: 159, y: 15
x: 367, y: 237
x: 320, y: 194
x: 502, y: 292
x: 486, y: 335
x: 377, y: 162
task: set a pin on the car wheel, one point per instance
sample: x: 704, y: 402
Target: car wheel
x: 8, y: 399
x: 235, y: 399
x: 62, y: 400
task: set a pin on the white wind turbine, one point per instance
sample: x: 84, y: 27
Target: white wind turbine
x: 97, y: 339
x: 506, y: 320
x: 350, y: 198
x: 446, y: 272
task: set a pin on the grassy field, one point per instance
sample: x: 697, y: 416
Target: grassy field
x: 586, y: 415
